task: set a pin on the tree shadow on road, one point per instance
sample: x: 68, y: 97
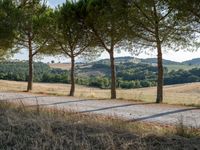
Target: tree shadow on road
x: 60, y: 103
x: 112, y: 107
x: 163, y: 114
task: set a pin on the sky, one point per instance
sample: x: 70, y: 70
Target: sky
x: 54, y: 3
x: 170, y: 55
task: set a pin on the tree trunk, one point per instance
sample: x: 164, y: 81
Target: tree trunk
x: 30, y: 76
x: 159, y: 98
x: 72, y: 90
x: 113, y: 75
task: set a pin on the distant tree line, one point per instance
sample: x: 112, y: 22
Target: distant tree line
x: 18, y: 71
x: 130, y: 75
x: 182, y: 76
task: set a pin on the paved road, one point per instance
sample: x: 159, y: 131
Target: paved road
x: 133, y: 111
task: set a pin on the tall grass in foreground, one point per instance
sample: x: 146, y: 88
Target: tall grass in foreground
x: 23, y: 127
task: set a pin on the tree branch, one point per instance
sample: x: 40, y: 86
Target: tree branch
x: 144, y: 14
x: 162, y: 18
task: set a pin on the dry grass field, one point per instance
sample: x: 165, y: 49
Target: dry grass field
x: 63, y: 66
x: 185, y: 94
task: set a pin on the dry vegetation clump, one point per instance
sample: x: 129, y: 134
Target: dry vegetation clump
x: 39, y: 128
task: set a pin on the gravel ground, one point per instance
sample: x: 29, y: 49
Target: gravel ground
x: 132, y: 111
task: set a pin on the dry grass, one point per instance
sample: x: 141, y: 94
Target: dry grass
x: 34, y: 128
x: 185, y: 94
x: 60, y: 66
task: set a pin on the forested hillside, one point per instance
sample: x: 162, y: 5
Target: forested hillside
x: 18, y: 71
x: 129, y: 75
x: 195, y: 61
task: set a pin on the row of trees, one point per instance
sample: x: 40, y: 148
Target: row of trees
x: 88, y: 27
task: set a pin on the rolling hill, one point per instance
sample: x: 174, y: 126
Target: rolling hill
x: 195, y: 61
x: 131, y: 72
x: 171, y: 65
x: 137, y: 60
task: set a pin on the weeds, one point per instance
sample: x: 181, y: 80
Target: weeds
x: 187, y: 132
x: 49, y: 128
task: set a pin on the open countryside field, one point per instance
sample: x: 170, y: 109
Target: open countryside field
x: 63, y: 66
x: 185, y: 94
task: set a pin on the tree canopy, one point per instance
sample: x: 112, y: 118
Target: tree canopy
x: 8, y: 24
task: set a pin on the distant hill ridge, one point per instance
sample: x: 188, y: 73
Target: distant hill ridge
x: 195, y: 61
x: 126, y: 59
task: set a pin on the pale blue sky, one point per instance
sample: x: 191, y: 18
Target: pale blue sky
x: 170, y: 55
x: 54, y: 3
